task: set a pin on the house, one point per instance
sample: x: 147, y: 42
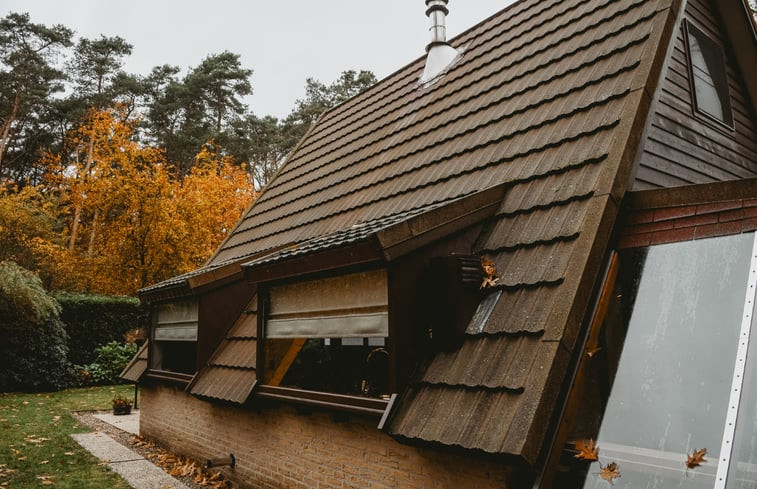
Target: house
x: 532, y: 264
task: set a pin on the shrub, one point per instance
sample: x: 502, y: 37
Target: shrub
x: 33, y: 349
x: 110, y: 360
x: 94, y: 320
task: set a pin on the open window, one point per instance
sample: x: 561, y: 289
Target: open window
x: 665, y: 372
x: 174, y: 337
x: 709, y: 81
x: 330, y: 336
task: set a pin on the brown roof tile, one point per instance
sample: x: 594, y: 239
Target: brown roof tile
x: 231, y: 374
x: 137, y: 366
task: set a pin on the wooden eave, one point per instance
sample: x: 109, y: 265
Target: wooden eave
x: 387, y: 244
x: 707, y: 193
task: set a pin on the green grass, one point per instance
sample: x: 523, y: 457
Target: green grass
x: 36, y: 449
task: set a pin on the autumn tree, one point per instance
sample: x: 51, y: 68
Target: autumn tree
x: 143, y: 225
x: 26, y: 215
x: 28, y: 77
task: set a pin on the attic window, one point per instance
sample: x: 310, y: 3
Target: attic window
x: 329, y: 335
x: 663, y: 372
x: 708, y: 76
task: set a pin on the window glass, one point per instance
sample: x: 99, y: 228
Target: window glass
x: 329, y: 335
x: 657, y: 386
x: 708, y: 76
x: 351, y: 366
x: 174, y: 345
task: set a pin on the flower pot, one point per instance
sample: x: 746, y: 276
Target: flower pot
x: 121, y: 410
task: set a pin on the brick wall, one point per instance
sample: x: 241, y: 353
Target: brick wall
x: 682, y: 223
x: 278, y: 448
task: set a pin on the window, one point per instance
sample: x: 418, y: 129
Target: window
x: 708, y: 76
x: 175, y: 337
x: 329, y: 335
x: 667, y: 372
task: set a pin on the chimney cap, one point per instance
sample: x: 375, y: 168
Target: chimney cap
x: 432, y: 5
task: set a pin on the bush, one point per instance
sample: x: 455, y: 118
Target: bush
x: 93, y: 320
x: 110, y: 360
x: 33, y: 349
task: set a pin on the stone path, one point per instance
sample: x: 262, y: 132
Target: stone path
x: 139, y: 472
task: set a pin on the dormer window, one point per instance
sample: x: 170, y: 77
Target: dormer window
x: 709, y: 82
x: 329, y: 335
x: 174, y: 337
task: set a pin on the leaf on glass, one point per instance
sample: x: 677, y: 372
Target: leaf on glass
x: 696, y: 459
x: 587, y: 449
x: 609, y: 472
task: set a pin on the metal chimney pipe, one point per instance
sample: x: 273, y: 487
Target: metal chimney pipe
x: 440, y: 53
x: 437, y: 11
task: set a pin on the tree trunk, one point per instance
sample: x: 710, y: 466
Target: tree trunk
x: 85, y: 175
x: 91, y: 246
x: 7, y: 127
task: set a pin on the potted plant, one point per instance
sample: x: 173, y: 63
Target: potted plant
x: 121, y: 405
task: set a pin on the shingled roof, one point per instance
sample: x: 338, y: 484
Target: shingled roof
x: 231, y: 373
x: 549, y: 101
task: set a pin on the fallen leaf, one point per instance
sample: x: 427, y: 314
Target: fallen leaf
x: 490, y: 273
x: 587, y: 450
x: 696, y: 459
x: 609, y: 472
x: 44, y: 462
x: 68, y: 453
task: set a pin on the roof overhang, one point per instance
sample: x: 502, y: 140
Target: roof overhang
x: 383, y: 245
x: 706, y: 193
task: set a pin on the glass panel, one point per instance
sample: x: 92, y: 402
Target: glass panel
x: 352, y: 366
x: 658, y: 386
x: 711, y: 94
x: 742, y: 473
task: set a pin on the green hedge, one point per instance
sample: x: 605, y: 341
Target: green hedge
x: 92, y: 321
x: 32, y: 338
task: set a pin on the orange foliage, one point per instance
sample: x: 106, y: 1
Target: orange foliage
x: 137, y: 224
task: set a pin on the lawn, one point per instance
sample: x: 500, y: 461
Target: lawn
x: 36, y: 449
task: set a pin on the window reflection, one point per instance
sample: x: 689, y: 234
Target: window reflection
x: 658, y: 385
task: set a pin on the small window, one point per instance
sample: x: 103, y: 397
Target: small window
x: 175, y: 337
x: 708, y: 76
x: 329, y: 335
x: 663, y: 374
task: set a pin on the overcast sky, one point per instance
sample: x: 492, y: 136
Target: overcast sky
x: 283, y: 41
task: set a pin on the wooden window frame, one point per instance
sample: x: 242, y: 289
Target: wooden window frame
x: 691, y: 29
x: 368, y: 406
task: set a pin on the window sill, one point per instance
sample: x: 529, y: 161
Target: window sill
x: 175, y: 377
x: 353, y: 404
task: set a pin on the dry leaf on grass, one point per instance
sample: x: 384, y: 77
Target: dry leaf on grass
x: 609, y: 472
x: 587, y: 450
x: 696, y: 459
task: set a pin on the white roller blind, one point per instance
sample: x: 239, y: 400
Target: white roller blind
x: 176, y: 321
x: 347, y: 306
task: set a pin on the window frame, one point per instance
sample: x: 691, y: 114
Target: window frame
x: 364, y: 405
x: 157, y: 372
x: 720, y: 85
x: 590, y: 344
